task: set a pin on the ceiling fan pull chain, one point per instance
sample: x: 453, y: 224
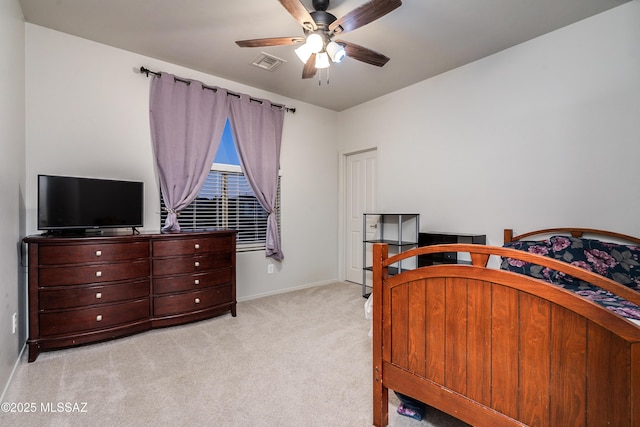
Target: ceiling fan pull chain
x: 327, y: 77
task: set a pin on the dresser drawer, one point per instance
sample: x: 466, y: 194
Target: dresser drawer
x: 192, y: 282
x: 193, y: 264
x: 79, y: 296
x: 191, y: 301
x: 94, y: 318
x: 94, y: 273
x: 194, y: 246
x: 98, y: 252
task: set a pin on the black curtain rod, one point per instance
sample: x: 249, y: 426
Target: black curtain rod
x: 147, y: 71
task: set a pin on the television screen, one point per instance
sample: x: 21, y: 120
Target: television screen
x: 74, y: 203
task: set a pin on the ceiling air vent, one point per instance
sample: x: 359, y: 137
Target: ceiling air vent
x: 267, y: 62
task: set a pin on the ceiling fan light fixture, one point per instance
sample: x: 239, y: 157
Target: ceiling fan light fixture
x: 304, y: 53
x: 322, y: 60
x: 315, y: 42
x: 320, y: 27
x: 336, y: 52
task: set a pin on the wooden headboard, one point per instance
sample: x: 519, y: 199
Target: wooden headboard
x: 573, y: 231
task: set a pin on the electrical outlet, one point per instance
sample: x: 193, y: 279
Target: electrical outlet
x: 270, y: 268
x: 14, y: 323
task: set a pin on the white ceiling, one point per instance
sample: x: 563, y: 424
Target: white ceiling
x: 423, y: 38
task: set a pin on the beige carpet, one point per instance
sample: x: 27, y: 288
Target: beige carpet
x: 297, y: 359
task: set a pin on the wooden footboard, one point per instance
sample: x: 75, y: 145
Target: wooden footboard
x: 495, y: 348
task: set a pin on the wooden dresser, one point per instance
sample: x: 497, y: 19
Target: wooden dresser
x: 89, y: 289
x: 193, y: 278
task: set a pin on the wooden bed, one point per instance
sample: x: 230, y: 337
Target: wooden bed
x: 498, y: 348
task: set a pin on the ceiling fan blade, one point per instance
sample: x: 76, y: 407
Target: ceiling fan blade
x: 363, y: 54
x: 309, y: 69
x: 363, y: 15
x: 300, y: 13
x: 271, y: 41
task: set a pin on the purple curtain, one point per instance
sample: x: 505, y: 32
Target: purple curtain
x: 257, y: 129
x: 187, y: 121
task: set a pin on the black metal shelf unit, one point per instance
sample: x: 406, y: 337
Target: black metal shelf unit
x: 398, y: 230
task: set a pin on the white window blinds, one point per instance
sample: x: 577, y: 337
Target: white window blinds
x: 227, y: 201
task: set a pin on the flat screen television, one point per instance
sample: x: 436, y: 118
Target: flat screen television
x: 69, y: 204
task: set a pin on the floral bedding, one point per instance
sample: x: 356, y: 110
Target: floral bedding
x: 614, y: 261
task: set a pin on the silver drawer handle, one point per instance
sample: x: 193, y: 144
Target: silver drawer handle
x: 197, y: 246
x: 197, y: 264
x: 197, y: 300
x: 99, y: 318
x: 98, y: 273
x: 98, y: 295
x: 98, y: 253
x: 196, y: 282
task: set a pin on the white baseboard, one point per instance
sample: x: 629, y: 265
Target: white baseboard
x: 282, y: 291
x: 13, y: 371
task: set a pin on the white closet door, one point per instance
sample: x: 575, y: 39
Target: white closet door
x: 360, y: 195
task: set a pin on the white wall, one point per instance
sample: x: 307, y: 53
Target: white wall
x: 87, y: 115
x: 545, y: 134
x: 12, y: 229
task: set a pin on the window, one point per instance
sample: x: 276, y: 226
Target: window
x: 226, y: 200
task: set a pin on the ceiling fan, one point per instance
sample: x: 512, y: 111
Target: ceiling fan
x: 320, y: 27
